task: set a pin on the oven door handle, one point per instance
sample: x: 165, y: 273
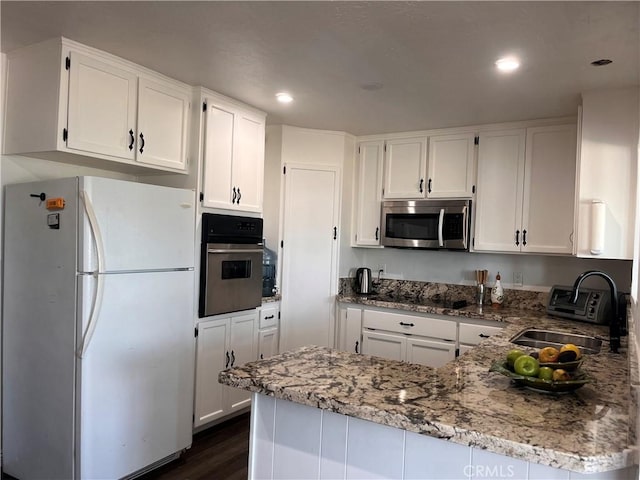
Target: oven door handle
x: 239, y: 250
x: 440, y: 224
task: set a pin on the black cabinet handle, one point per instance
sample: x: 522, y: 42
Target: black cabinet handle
x: 226, y: 365
x: 524, y: 238
x: 517, y: 237
x: 269, y: 317
x: 421, y: 183
x: 429, y: 186
x: 377, y: 231
x: 233, y: 200
x: 233, y: 358
x: 335, y: 233
x: 407, y: 324
x: 132, y: 137
x: 357, y: 345
x: 482, y: 335
x: 42, y: 196
x: 262, y: 356
x: 141, y: 143
x: 239, y: 196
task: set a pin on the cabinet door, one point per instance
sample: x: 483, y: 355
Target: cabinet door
x: 369, y: 191
x: 163, y: 113
x: 248, y: 163
x: 405, y: 168
x: 211, y: 358
x: 451, y: 166
x: 473, y: 334
x: 102, y: 108
x: 549, y: 180
x: 242, y: 349
x: 350, y: 330
x: 499, y: 193
x: 432, y: 353
x: 268, y: 343
x: 218, y: 156
x: 385, y: 345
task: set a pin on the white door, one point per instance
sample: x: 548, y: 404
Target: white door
x: 499, y: 192
x: 384, y: 345
x: 212, y: 357
x: 369, y: 193
x: 547, y: 212
x: 242, y: 349
x: 432, y: 353
x: 451, y: 166
x: 163, y: 118
x: 102, y: 108
x: 267, y: 343
x: 218, y: 156
x: 136, y: 376
x: 248, y: 163
x: 133, y: 235
x: 350, y: 330
x: 309, y: 255
x: 405, y: 168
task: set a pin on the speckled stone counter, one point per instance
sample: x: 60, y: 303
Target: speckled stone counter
x: 588, y: 430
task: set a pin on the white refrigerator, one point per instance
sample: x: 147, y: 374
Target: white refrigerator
x: 98, y: 336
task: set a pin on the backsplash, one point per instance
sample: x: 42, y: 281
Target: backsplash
x: 447, y: 293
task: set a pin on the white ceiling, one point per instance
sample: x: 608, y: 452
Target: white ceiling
x: 434, y: 60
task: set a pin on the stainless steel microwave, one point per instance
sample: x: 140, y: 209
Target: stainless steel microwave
x: 430, y: 224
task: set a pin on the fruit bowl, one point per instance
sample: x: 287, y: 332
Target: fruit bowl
x: 578, y: 379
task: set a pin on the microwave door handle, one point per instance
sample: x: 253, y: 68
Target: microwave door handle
x: 464, y: 227
x: 440, y: 224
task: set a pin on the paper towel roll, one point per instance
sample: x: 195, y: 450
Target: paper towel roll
x: 598, y: 215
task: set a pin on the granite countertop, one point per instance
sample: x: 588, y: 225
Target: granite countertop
x: 588, y: 430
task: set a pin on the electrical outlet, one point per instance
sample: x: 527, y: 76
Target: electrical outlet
x: 381, y: 266
x: 517, y: 279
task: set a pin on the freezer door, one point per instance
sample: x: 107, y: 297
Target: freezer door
x: 136, y: 377
x: 142, y: 227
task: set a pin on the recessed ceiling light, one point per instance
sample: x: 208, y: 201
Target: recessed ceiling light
x: 371, y: 86
x: 602, y: 62
x: 508, y: 64
x: 284, y: 97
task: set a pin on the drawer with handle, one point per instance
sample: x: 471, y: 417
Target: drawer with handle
x: 268, y: 317
x: 410, y: 324
x: 473, y: 334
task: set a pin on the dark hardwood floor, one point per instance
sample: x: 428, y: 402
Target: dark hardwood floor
x: 218, y: 453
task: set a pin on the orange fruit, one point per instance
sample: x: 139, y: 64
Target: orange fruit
x: 548, y: 355
x: 560, y: 374
x: 573, y: 348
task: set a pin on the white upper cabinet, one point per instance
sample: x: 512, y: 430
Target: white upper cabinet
x: 405, y: 168
x: 368, y: 193
x: 549, y: 179
x: 525, y: 190
x: 102, y: 107
x: 499, y: 193
x: 72, y: 103
x: 606, y: 172
x: 451, y: 166
x: 233, y: 155
x: 163, y: 120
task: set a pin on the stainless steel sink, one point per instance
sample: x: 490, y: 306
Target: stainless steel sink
x: 546, y: 338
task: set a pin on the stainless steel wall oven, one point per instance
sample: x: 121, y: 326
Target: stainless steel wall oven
x: 230, y: 264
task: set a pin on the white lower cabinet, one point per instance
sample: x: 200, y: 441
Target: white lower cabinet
x: 471, y: 334
x: 223, y: 342
x: 409, y: 338
x: 349, y: 329
x: 269, y: 330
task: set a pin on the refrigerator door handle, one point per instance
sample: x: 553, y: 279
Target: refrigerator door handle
x: 96, y: 302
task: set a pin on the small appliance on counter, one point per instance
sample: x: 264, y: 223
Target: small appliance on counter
x: 593, y: 305
x: 269, y: 260
x: 363, y: 281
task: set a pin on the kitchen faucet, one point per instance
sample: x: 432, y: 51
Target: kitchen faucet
x: 614, y: 321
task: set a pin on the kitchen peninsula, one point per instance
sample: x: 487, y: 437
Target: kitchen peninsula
x: 321, y: 413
